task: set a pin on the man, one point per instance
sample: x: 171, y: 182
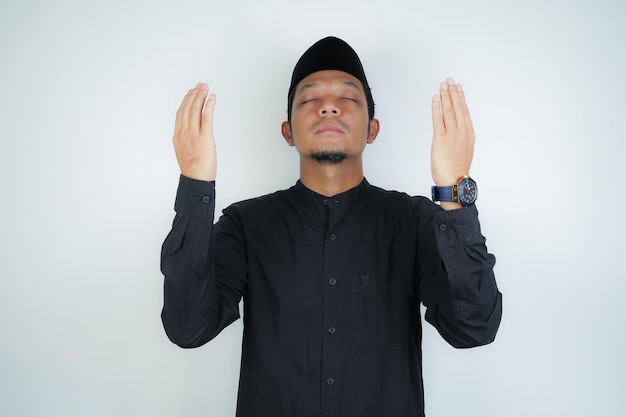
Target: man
x: 332, y: 271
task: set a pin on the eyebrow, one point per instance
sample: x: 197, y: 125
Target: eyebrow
x: 313, y: 85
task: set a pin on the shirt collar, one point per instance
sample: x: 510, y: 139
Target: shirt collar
x: 341, y: 199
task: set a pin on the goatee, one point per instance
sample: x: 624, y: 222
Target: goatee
x: 329, y: 157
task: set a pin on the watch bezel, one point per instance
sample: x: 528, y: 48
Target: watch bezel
x: 460, y: 194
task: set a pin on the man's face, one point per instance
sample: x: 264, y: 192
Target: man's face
x: 329, y: 120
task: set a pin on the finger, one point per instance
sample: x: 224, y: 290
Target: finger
x: 207, y: 116
x: 447, y: 110
x: 181, y: 117
x: 185, y: 108
x: 460, y: 106
x: 195, y: 107
x: 438, y: 126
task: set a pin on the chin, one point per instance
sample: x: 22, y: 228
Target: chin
x: 329, y: 156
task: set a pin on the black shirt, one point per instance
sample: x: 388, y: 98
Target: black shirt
x: 332, y: 290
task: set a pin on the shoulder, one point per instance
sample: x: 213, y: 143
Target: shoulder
x: 402, y: 199
x: 400, y: 208
x: 263, y: 203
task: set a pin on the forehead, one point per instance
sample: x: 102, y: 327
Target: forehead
x: 329, y: 78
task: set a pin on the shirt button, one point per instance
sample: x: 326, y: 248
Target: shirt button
x: 206, y: 199
x: 332, y: 281
x: 330, y: 381
x: 443, y: 227
x: 333, y: 237
x: 332, y: 330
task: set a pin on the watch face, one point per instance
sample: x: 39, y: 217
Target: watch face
x: 467, y: 191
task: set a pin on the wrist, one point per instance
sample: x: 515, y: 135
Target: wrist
x: 464, y: 192
x: 201, y: 173
x: 449, y: 205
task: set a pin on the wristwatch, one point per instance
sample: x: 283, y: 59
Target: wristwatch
x: 464, y: 191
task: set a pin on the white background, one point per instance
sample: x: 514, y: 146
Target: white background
x: 88, y: 93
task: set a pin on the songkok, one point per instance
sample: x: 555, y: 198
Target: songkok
x: 330, y: 53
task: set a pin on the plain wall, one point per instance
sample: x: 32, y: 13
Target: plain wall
x: 88, y: 94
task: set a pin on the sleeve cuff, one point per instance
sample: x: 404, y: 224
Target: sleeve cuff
x: 195, y: 198
x: 458, y: 226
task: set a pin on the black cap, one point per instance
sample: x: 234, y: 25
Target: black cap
x: 330, y: 53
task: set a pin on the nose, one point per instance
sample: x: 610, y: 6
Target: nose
x: 329, y: 107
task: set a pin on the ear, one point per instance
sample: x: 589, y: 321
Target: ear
x: 374, y: 129
x: 285, y: 129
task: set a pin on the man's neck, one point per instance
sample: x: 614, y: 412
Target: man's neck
x: 331, y: 179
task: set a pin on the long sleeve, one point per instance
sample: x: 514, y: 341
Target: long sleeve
x: 331, y: 290
x: 195, y: 309
x: 460, y: 293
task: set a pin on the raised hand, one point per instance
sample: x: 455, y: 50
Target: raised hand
x: 453, y: 135
x: 193, y: 135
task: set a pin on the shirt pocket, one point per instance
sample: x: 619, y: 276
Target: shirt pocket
x: 380, y: 310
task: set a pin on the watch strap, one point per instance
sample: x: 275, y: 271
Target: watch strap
x: 445, y: 194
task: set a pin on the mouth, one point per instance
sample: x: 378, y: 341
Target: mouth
x: 329, y: 128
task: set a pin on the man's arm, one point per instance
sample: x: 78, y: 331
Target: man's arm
x: 459, y: 291
x: 193, y: 310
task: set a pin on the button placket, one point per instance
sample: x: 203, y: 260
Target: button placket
x: 332, y: 302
